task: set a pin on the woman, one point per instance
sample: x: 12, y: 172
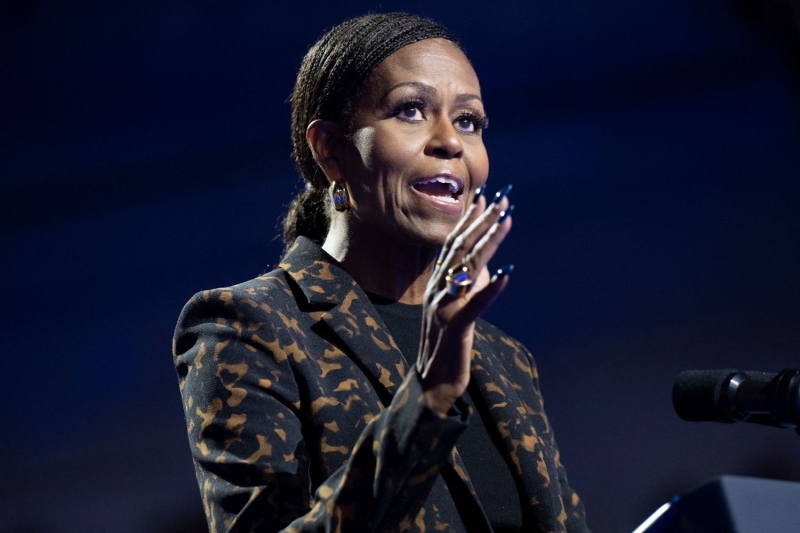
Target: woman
x: 330, y: 393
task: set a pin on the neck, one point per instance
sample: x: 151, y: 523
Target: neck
x: 390, y: 269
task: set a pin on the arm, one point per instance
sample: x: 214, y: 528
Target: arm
x: 242, y: 404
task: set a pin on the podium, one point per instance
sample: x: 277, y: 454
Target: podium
x: 731, y: 504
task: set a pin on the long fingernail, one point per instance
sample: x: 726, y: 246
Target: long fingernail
x: 501, y: 193
x: 478, y: 193
x: 502, y: 272
x: 505, y: 214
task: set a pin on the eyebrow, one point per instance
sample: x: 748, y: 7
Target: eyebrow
x: 430, y: 89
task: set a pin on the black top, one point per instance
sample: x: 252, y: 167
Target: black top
x: 489, y: 473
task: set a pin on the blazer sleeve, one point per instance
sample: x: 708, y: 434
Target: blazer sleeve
x: 242, y: 401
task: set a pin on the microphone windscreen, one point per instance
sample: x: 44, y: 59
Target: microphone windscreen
x: 696, y: 395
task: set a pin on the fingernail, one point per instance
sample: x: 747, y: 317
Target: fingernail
x: 478, y: 193
x: 505, y: 214
x: 501, y: 193
x: 502, y: 272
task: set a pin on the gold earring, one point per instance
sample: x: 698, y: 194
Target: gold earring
x: 341, y: 202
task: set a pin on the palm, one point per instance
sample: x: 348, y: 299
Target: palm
x: 448, y: 320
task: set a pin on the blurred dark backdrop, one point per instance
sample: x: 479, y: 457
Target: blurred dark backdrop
x: 145, y: 155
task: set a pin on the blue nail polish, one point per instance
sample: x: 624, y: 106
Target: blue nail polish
x: 478, y: 193
x: 502, y: 272
x: 505, y: 214
x: 501, y: 193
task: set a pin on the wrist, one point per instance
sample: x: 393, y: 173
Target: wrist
x: 441, y: 398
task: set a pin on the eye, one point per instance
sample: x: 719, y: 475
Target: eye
x: 470, y: 122
x: 413, y: 111
x: 466, y: 124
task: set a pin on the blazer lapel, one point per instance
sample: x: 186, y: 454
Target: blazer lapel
x: 519, y: 419
x: 349, y: 314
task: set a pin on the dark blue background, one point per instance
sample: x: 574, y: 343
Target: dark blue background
x: 145, y: 155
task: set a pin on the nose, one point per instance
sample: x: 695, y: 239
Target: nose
x: 444, y: 142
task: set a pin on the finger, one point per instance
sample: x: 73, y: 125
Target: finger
x: 486, y: 247
x: 476, y: 209
x: 464, y: 242
x: 482, y: 299
x: 482, y: 244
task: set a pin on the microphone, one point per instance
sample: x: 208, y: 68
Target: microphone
x: 731, y: 395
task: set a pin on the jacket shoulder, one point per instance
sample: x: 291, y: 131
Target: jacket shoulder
x: 269, y: 286
x: 264, y: 290
x: 244, y: 302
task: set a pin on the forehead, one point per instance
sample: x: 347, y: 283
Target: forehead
x: 437, y: 62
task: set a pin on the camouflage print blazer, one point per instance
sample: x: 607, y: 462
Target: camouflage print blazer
x: 303, y: 414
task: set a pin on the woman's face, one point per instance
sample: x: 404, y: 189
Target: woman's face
x: 415, y: 153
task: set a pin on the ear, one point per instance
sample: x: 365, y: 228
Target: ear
x: 325, y: 140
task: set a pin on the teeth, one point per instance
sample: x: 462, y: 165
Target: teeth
x: 453, y: 184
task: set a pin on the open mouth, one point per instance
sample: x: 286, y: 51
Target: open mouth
x: 442, y: 188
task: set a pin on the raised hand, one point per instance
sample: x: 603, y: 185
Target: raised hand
x: 448, y: 320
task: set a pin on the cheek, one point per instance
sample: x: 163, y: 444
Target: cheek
x: 390, y: 151
x: 478, y: 164
x: 377, y: 168
x: 381, y: 155
x: 364, y: 143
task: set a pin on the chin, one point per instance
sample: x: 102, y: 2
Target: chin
x: 429, y: 235
x: 422, y: 230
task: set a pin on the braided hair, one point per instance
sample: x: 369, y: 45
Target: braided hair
x: 330, y: 77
